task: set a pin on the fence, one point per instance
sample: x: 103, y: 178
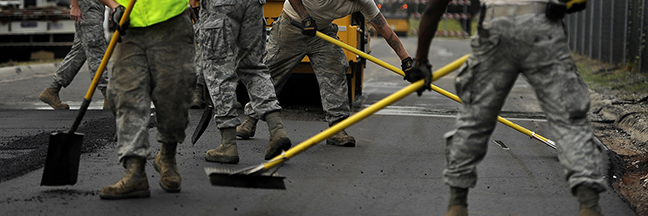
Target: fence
x: 612, y: 31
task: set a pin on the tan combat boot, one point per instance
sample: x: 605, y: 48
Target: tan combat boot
x: 134, y: 183
x: 226, y: 151
x: 279, y: 140
x: 51, y: 97
x: 165, y: 164
x: 341, y: 139
x: 458, y: 205
x: 247, y: 128
x: 588, y: 199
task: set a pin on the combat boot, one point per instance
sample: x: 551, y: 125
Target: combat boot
x: 341, y: 139
x: 279, y: 140
x: 226, y: 151
x: 588, y: 199
x: 165, y: 164
x: 51, y: 97
x: 247, y: 128
x: 198, y: 101
x: 458, y: 202
x: 134, y: 183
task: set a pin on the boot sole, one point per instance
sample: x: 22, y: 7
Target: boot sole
x: 284, y: 144
x: 136, y: 194
x: 344, y: 144
x: 243, y: 136
x: 165, y: 188
x: 227, y: 160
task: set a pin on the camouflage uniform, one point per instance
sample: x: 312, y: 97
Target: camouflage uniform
x: 232, y: 42
x: 286, y: 48
x: 198, y: 59
x: 536, y: 47
x: 153, y: 63
x: 89, y: 44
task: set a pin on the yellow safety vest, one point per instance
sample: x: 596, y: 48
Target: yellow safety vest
x: 149, y: 12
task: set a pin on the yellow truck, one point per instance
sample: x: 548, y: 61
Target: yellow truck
x: 302, y: 86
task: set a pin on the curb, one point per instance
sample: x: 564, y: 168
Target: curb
x: 14, y: 73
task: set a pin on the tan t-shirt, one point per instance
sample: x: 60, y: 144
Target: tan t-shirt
x: 325, y: 11
x: 509, y: 2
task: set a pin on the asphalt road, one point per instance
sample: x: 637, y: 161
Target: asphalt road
x: 395, y: 169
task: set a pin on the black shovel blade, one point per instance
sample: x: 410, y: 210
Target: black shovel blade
x: 62, y: 163
x: 202, y: 124
x: 225, y: 177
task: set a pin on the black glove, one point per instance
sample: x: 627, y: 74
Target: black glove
x: 406, y: 63
x: 310, y: 28
x: 195, y: 14
x: 420, y: 70
x: 115, y: 16
x: 576, y: 6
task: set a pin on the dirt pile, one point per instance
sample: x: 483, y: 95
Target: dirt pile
x: 619, y: 116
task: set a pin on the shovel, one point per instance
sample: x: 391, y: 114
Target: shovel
x: 261, y: 176
x: 205, y: 118
x: 64, y: 150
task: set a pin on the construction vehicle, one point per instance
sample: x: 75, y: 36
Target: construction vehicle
x: 302, y: 87
x: 28, y: 26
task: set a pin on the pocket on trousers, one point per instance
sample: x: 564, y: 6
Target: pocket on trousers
x: 214, y: 38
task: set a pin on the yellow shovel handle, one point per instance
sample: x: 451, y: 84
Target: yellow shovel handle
x: 109, y: 51
x: 364, y: 113
x: 437, y: 74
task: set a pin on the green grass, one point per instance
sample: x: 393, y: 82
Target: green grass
x: 601, y: 76
x: 444, y: 25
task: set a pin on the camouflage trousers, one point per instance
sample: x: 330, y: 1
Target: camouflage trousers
x: 286, y: 48
x: 153, y: 64
x: 232, y: 42
x: 537, y: 48
x: 89, y: 44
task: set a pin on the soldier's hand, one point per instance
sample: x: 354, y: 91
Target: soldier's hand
x: 420, y: 70
x: 75, y: 13
x: 115, y: 16
x: 310, y: 28
x: 406, y: 63
x: 576, y: 5
x: 194, y: 14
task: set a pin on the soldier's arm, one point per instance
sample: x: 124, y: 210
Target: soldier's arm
x: 380, y: 24
x: 428, y: 26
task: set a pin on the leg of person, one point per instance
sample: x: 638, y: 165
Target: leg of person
x: 64, y: 75
x: 330, y: 66
x: 130, y: 89
x: 219, y: 56
x: 95, y: 47
x: 284, y: 51
x: 173, y: 75
x: 256, y: 77
x: 198, y: 101
x: 564, y: 97
x: 247, y: 129
x: 482, y: 86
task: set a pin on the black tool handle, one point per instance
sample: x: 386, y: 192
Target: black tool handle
x: 296, y: 24
x: 79, y: 117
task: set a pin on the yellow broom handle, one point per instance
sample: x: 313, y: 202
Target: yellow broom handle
x: 436, y: 75
x: 109, y: 51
